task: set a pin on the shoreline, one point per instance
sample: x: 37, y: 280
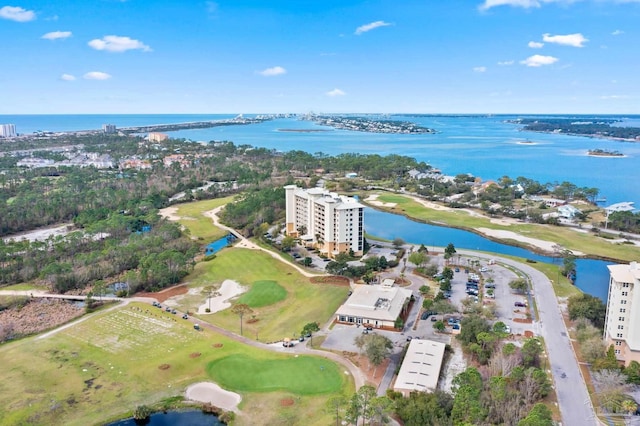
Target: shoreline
x: 510, y: 242
x: 304, y: 130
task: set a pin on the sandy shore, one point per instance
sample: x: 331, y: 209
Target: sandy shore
x: 228, y: 290
x: 208, y: 392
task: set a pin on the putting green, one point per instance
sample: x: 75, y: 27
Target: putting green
x: 302, y: 375
x: 263, y: 293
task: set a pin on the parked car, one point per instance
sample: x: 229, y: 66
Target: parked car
x: 301, y: 339
x: 457, y: 269
x: 185, y: 316
x: 434, y: 318
x: 484, y: 269
x: 409, y: 338
x: 490, y: 285
x: 168, y: 309
x: 520, y: 305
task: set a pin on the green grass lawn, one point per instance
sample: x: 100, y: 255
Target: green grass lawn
x: 305, y: 302
x: 301, y: 376
x: 103, y: 367
x: 200, y: 226
x: 579, y: 241
x: 263, y: 293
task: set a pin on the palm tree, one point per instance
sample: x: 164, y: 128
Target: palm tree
x: 629, y: 406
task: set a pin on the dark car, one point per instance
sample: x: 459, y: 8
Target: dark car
x: 168, y: 309
x: 185, y: 316
x: 369, y: 328
x: 520, y: 305
x: 457, y: 269
x: 434, y: 318
x: 173, y: 311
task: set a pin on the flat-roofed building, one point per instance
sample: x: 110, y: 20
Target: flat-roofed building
x: 330, y: 222
x: 8, y: 131
x: 420, y: 368
x: 157, y: 137
x: 622, y: 323
x: 374, y: 305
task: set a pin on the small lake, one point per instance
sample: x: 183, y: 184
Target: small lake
x: 217, y: 245
x: 592, y: 275
x: 174, y: 418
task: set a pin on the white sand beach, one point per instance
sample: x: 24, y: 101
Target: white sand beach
x: 209, y: 392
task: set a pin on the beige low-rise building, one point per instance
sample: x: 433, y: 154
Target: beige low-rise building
x: 374, y: 305
x: 420, y: 368
x: 622, y: 323
x: 157, y: 137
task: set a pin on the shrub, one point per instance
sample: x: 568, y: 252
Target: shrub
x: 142, y: 412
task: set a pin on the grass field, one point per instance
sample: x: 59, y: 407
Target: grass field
x: 103, y: 367
x: 200, y: 226
x: 579, y: 241
x: 263, y: 293
x: 300, y: 376
x: 305, y: 302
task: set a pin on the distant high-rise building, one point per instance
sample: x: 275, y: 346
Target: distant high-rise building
x: 330, y: 222
x: 622, y: 323
x: 109, y: 128
x: 8, y: 131
x: 157, y: 137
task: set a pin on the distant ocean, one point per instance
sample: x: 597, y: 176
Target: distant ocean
x: 485, y: 146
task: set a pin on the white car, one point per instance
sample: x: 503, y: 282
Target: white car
x: 484, y: 269
x: 507, y: 329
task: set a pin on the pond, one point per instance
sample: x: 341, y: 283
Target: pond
x: 592, y: 275
x: 174, y: 418
x: 217, y: 245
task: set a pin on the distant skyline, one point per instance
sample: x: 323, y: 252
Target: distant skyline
x: 242, y: 56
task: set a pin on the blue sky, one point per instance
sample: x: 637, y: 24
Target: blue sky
x: 241, y: 56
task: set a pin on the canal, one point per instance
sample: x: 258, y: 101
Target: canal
x: 592, y: 275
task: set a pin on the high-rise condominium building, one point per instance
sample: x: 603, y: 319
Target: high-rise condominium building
x: 330, y: 222
x: 622, y: 323
x: 7, y: 131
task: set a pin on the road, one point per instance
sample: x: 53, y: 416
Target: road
x: 573, y: 397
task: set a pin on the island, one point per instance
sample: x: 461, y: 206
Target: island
x: 595, y: 127
x: 366, y: 124
x: 604, y: 153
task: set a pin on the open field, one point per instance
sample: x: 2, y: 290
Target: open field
x: 571, y: 239
x: 263, y: 293
x: 305, y: 302
x: 104, y: 367
x: 192, y: 218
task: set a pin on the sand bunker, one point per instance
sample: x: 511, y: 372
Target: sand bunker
x: 373, y: 199
x: 548, y: 246
x: 208, y: 392
x: 220, y: 301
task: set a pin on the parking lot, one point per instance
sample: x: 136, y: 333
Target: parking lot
x: 342, y: 337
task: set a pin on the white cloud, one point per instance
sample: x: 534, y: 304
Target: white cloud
x: 488, y: 4
x: 575, y: 40
x: 335, y: 92
x: 539, y: 60
x: 535, y: 44
x: 479, y: 69
x: 96, y: 75
x: 608, y: 97
x: 67, y: 77
x: 55, y: 35
x: 113, y: 43
x: 17, y: 14
x: 273, y: 71
x: 506, y: 63
x: 617, y: 32
x: 371, y: 26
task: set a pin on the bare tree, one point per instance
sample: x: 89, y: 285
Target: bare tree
x: 241, y: 309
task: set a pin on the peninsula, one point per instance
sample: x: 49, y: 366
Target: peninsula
x: 592, y: 127
x: 364, y: 124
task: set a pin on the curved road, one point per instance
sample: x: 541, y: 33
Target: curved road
x: 573, y: 397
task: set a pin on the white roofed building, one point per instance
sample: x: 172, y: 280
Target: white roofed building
x: 330, y: 222
x: 420, y: 368
x: 374, y: 305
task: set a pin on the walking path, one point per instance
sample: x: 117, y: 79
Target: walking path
x: 245, y: 243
